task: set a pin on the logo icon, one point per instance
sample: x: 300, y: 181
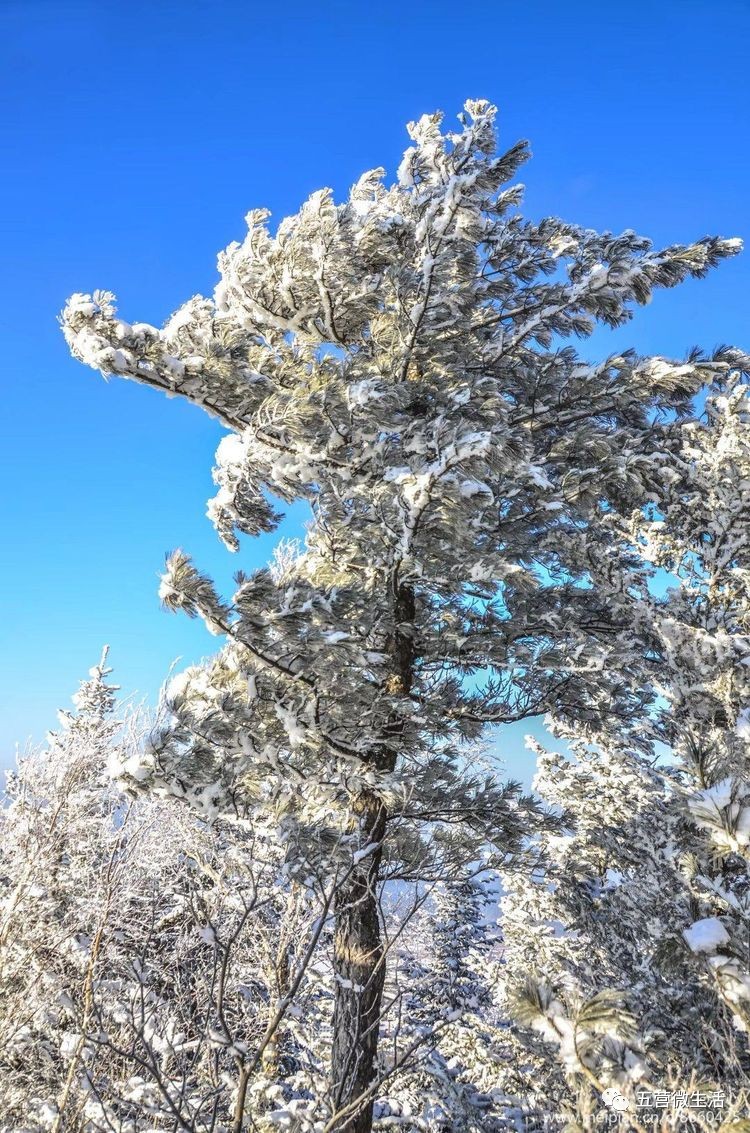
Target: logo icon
x: 613, y: 1099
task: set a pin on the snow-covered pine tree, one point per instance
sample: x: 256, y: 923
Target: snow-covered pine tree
x: 699, y: 531
x: 398, y: 361
x: 594, y: 967
x: 697, y: 656
x: 58, y: 829
x: 154, y: 969
x: 647, y: 895
x: 451, y: 977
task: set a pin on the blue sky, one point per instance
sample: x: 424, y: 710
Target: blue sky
x: 134, y: 139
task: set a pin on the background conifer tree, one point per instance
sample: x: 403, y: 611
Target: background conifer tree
x: 644, y: 900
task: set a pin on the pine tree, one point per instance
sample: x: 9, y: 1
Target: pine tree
x: 154, y: 969
x: 647, y: 894
x: 595, y: 967
x: 398, y: 362
x: 59, y: 827
x: 456, y: 1088
x: 701, y: 636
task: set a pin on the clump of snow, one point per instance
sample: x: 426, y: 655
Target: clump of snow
x: 706, y: 935
x: 742, y: 726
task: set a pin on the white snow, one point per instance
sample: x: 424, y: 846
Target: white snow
x: 707, y: 935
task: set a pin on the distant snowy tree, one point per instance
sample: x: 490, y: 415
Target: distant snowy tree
x: 59, y: 829
x: 454, y: 1088
x: 155, y: 972
x: 398, y: 362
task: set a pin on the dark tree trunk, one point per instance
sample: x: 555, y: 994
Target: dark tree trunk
x: 359, y: 964
x: 359, y: 973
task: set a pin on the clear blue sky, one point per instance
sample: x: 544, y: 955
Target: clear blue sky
x: 135, y: 136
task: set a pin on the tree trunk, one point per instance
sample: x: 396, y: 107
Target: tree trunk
x: 359, y: 974
x: 359, y: 966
